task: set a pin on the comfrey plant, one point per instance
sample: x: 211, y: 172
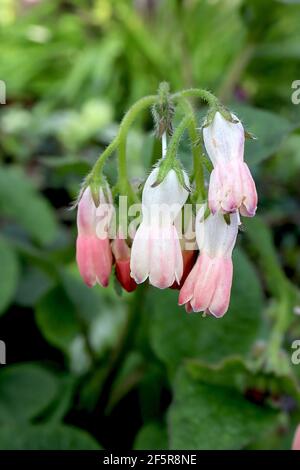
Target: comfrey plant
x: 158, y: 252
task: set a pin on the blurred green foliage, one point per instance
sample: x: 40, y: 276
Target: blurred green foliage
x: 88, y: 368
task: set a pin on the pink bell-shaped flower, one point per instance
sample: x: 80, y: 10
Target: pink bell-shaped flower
x: 93, y: 251
x: 231, y: 186
x: 207, y: 287
x: 156, y: 252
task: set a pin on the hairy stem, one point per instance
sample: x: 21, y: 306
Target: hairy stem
x: 119, y: 143
x: 204, y: 95
x: 196, y: 151
x: 174, y: 142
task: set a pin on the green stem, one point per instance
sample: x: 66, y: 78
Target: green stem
x: 196, y: 152
x: 128, y: 119
x: 174, y: 141
x: 274, y: 361
x: 98, y: 167
x: 120, y: 143
x: 204, y: 95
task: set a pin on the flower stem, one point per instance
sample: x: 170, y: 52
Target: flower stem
x: 128, y: 119
x: 205, y: 95
x: 196, y: 152
x: 119, y: 143
x: 175, y: 139
x: 164, y: 145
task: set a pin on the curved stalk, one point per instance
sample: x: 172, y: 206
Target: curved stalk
x: 204, y: 95
x: 196, y: 152
x: 119, y: 143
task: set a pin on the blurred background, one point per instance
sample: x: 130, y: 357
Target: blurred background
x: 97, y: 368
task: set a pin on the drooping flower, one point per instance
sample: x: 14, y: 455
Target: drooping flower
x: 156, y: 252
x: 296, y: 441
x: 93, y: 251
x: 121, y: 252
x: 208, y: 286
x: 231, y: 185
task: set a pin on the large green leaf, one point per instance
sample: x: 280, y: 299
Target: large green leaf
x: 72, y: 311
x: 46, y: 437
x: 25, y: 391
x: 32, y: 275
x: 57, y: 318
x: 176, y: 335
x: 21, y: 201
x: 211, y: 417
x: 235, y: 373
x: 8, y: 274
x: 269, y: 128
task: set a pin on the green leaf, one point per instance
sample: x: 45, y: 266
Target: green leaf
x: 21, y: 201
x: 235, y: 373
x: 58, y: 408
x: 269, y: 128
x: 262, y: 245
x: 176, y: 335
x: 26, y: 296
x: 152, y: 436
x: 46, y: 437
x: 9, y: 273
x: 214, y: 417
x: 25, y: 391
x: 56, y: 318
x: 67, y: 165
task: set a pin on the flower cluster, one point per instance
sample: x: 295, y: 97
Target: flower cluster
x: 157, y: 252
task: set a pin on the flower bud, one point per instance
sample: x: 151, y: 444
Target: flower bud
x: 121, y: 252
x: 231, y: 186
x: 93, y: 253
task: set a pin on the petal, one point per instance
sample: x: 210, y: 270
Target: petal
x: 165, y: 253
x: 214, y: 236
x: 123, y: 275
x: 120, y: 249
x: 179, y: 262
x: 102, y: 259
x: 249, y: 206
x: 86, y: 214
x: 206, y: 283
x: 232, y: 195
x: 187, y: 291
x: 188, y: 307
x: 214, y: 191
x: 223, y: 139
x: 296, y: 441
x: 221, y: 298
x: 169, y: 191
x: 84, y: 258
x: 140, y: 254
